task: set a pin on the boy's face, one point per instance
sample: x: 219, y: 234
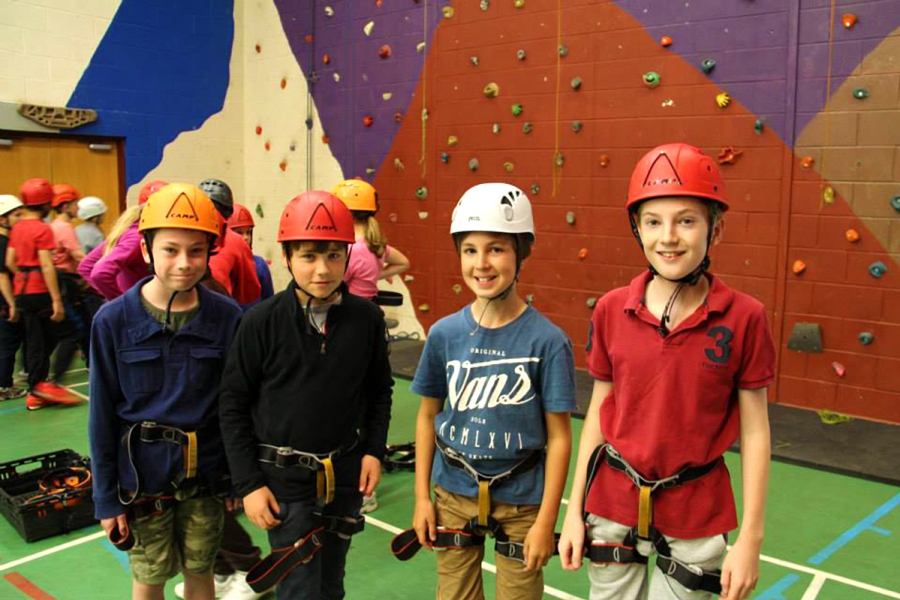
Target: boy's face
x: 317, y: 270
x: 488, y: 262
x: 11, y: 218
x: 246, y: 233
x: 673, y: 232
x: 179, y: 257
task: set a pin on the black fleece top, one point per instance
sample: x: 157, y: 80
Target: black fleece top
x: 285, y: 384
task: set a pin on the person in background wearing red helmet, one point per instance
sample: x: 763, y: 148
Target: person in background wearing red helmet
x: 38, y: 298
x: 241, y: 222
x: 159, y: 467
x: 306, y: 404
x: 114, y: 267
x: 10, y: 328
x: 658, y: 481
x: 232, y: 265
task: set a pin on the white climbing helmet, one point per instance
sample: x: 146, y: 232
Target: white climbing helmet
x: 90, y: 207
x: 8, y: 203
x: 494, y: 207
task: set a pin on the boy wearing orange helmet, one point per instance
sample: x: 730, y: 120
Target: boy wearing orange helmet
x: 650, y: 474
x: 157, y: 354
x: 306, y: 399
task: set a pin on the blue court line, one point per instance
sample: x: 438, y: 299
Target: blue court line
x: 121, y: 557
x: 775, y: 592
x: 867, y: 524
x: 11, y: 409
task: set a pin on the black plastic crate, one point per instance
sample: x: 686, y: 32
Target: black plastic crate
x: 36, y: 515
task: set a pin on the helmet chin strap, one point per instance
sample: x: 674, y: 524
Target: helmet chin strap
x: 310, y: 322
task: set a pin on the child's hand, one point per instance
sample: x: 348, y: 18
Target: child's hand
x: 369, y: 475
x: 59, y: 313
x: 120, y: 521
x: 233, y: 504
x: 538, y: 546
x: 571, y: 542
x: 261, y: 507
x: 13, y: 315
x: 425, y: 523
x: 740, y: 571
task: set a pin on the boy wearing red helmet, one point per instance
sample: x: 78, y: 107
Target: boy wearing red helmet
x: 657, y: 481
x: 241, y: 222
x: 306, y: 399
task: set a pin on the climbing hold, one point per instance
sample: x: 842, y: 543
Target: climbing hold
x: 877, y: 269
x: 267, y: 146
x: 368, y: 120
x: 866, y: 337
x: 535, y: 189
x: 379, y: 3
x: 852, y: 235
x: 806, y: 337
x: 895, y: 202
x: 293, y: 146
x: 424, y: 308
x: 828, y: 195
x: 336, y: 76
x: 283, y: 83
x: 807, y: 161
x: 495, y: 128
x: 452, y: 140
x: 667, y: 103
x: 258, y: 130
x: 392, y: 217
x: 728, y: 155
x: 282, y: 165
x: 384, y: 51
x: 563, y: 50
x: 398, y: 117
x: 759, y: 126
x: 829, y: 417
x: 527, y: 127
x: 423, y: 215
x: 387, y: 96
x: 591, y: 302
x: 309, y: 38
x: 445, y: 158
x: 559, y: 159
x: 420, y: 47
x: 570, y: 218
x: 519, y: 3
x: 708, y: 65
x: 259, y: 210
x: 485, y: 4
x: 367, y: 28
x: 329, y: 12
x: 576, y: 126
x: 422, y: 193
x: 520, y: 54
x: 258, y: 48
x: 473, y: 164
x: 398, y: 164
x: 325, y: 139
x: 473, y: 60
x: 448, y: 12
x: 509, y: 167
x: 860, y: 93
x: 408, y: 278
x: 849, y: 20
x: 517, y: 109
x: 457, y: 289
x: 582, y: 254
x: 839, y: 369
x: 723, y: 99
x: 370, y: 170
x: 529, y: 298
x: 665, y: 41
x: 326, y: 59
x: 576, y: 83
x: 651, y: 79
x: 604, y: 160
x: 491, y: 90
x: 798, y: 267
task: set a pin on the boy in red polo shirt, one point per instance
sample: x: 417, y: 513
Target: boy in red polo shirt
x: 681, y: 364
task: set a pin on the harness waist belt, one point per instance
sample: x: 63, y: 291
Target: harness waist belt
x: 153, y: 432
x: 285, y: 457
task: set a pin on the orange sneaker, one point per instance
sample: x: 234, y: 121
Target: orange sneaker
x: 52, y: 392
x: 32, y: 402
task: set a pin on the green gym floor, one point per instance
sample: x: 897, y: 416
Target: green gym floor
x: 828, y: 536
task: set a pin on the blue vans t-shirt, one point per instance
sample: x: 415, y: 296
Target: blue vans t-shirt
x: 496, y: 386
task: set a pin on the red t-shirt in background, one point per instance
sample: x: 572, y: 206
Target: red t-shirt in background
x: 674, y: 402
x: 28, y: 237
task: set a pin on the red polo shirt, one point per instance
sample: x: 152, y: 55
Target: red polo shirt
x: 234, y: 268
x: 674, y: 401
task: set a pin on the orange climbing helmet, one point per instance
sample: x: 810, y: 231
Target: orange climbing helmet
x: 357, y: 195
x: 62, y: 193
x: 36, y: 192
x: 241, y: 217
x: 679, y: 170
x: 180, y: 206
x: 149, y: 189
x: 316, y: 216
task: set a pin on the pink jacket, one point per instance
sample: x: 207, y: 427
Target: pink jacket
x: 113, y: 274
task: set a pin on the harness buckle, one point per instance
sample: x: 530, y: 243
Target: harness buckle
x: 169, y: 435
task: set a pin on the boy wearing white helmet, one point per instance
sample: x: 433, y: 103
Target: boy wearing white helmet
x: 90, y: 210
x: 493, y: 432
x: 10, y: 330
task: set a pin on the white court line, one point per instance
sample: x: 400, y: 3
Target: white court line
x: 812, y: 592
x: 53, y: 550
x: 70, y: 386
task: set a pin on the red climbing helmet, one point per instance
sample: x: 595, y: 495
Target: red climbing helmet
x: 676, y: 170
x: 241, y: 217
x: 316, y: 216
x: 36, y: 192
x: 149, y: 189
x: 62, y: 193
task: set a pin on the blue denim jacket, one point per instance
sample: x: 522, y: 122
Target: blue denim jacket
x: 141, y: 373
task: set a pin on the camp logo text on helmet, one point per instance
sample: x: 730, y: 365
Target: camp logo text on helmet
x: 316, y: 216
x: 180, y: 206
x: 676, y: 170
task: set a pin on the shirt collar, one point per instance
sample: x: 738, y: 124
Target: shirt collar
x: 717, y: 300
x: 144, y: 326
